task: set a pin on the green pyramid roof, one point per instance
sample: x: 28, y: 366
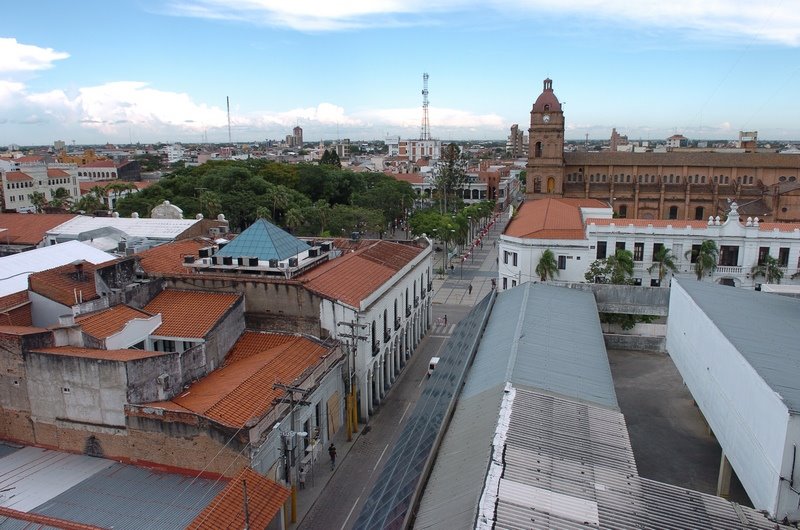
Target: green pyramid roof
x: 265, y: 241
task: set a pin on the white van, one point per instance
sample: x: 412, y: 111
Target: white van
x: 432, y: 365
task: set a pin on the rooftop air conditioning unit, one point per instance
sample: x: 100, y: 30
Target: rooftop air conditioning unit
x: 188, y: 259
x: 205, y: 252
x: 240, y: 261
x: 293, y: 262
x: 273, y: 263
x: 313, y: 252
x: 227, y: 260
x: 214, y: 260
x: 252, y: 262
x: 325, y: 247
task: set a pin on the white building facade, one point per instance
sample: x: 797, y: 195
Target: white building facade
x: 742, y: 245
x: 21, y: 179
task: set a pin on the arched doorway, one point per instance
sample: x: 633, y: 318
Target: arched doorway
x: 551, y: 185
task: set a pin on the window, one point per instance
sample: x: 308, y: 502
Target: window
x: 505, y: 256
x: 513, y: 283
x: 638, y: 251
x: 698, y: 213
x: 623, y: 211
x: 514, y: 256
x: 729, y: 255
x: 655, y: 282
x: 620, y: 245
x: 537, y: 150
x: 657, y: 248
x: 763, y: 252
x: 562, y: 263
x: 602, y: 249
x: 695, y: 253
x: 673, y: 212
x: 783, y: 257
x: 505, y: 283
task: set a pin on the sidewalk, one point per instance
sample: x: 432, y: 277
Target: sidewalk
x: 318, y: 478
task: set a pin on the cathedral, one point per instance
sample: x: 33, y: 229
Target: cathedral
x: 676, y: 184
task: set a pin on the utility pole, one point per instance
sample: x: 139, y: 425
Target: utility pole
x: 352, y: 342
x: 291, y: 441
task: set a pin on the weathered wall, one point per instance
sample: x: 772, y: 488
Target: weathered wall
x: 139, y: 295
x: 142, y: 378
x: 616, y: 341
x: 630, y: 299
x: 76, y: 389
x: 224, y: 335
x: 270, y: 304
x: 13, y: 375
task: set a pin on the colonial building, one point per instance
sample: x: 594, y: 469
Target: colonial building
x: 579, y: 231
x: 665, y: 185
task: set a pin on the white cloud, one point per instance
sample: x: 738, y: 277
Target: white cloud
x: 16, y: 57
x: 10, y: 91
x: 773, y: 21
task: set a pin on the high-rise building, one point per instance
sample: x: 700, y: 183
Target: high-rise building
x: 297, y: 136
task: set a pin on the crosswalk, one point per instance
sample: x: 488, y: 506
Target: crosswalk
x: 442, y: 330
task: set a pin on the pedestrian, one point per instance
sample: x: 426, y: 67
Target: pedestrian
x: 302, y: 478
x: 445, y: 320
x: 494, y: 243
x: 332, y: 454
x: 469, y: 289
x: 481, y: 242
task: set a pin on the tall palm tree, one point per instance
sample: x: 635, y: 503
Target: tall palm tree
x: 664, y: 261
x: 61, y: 198
x: 769, y: 269
x: 547, y: 268
x: 39, y: 201
x: 706, y: 258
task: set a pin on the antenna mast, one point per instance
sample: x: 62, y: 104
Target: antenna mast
x: 426, y: 126
x: 228, y: 101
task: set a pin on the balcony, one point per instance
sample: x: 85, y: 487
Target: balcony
x: 408, y: 311
x: 726, y: 269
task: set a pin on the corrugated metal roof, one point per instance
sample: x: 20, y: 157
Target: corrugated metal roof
x: 164, y: 229
x: 762, y: 326
x: 265, y: 241
x: 127, y: 497
x: 545, y: 337
x: 6, y: 450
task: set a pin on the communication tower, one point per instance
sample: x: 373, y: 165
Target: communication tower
x: 426, y: 126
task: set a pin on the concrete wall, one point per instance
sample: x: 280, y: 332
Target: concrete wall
x: 134, y: 331
x: 13, y: 375
x: 270, y: 304
x: 45, y: 312
x: 630, y: 299
x: 617, y: 341
x: 224, y: 335
x: 748, y: 418
x: 76, y: 389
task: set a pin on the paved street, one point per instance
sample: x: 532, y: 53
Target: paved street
x: 336, y: 498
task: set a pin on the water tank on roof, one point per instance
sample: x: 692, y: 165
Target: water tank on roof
x: 293, y: 262
x: 273, y: 263
x: 252, y: 262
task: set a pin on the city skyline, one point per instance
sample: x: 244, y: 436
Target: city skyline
x: 150, y: 72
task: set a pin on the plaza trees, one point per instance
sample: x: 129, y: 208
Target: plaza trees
x: 449, y: 174
x: 663, y: 261
x: 618, y: 270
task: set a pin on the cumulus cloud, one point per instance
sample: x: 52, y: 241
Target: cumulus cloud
x: 767, y: 20
x: 17, y: 57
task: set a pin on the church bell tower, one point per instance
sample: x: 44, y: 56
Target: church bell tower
x: 545, y: 168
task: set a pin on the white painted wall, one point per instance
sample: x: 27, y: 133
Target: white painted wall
x: 748, y: 418
x: 44, y: 311
x: 135, y: 331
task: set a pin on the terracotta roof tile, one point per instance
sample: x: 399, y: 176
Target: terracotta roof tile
x: 168, y: 258
x: 17, y: 176
x: 15, y: 309
x: 547, y: 219
x: 190, y: 314
x: 264, y: 500
x: 411, y: 178
x: 240, y: 391
x: 99, y: 163
x: 354, y: 276
x: 103, y: 324
x: 251, y: 343
x: 56, y: 173
x: 103, y: 355
x: 29, y: 159
x: 781, y: 227
x: 29, y: 229
x: 63, y: 284
x: 13, y: 300
x: 22, y: 330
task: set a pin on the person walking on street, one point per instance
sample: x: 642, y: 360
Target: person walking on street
x: 332, y: 454
x: 469, y: 289
x: 445, y: 320
x: 302, y: 478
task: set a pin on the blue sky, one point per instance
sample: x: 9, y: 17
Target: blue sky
x: 147, y: 71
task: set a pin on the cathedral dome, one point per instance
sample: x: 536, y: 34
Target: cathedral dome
x: 547, y: 100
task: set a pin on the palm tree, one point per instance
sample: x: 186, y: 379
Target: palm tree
x: 621, y: 266
x: 706, y: 258
x: 39, y: 201
x: 295, y: 218
x: 769, y: 269
x: 664, y: 261
x: 547, y: 268
x: 101, y: 194
x: 61, y: 198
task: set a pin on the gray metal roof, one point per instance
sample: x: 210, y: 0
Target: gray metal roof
x: 762, y: 326
x: 545, y: 337
x: 128, y: 497
x: 6, y: 450
x: 570, y: 465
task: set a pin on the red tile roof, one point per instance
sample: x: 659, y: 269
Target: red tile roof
x: 781, y: 227
x: 103, y: 324
x: 22, y: 330
x: 242, y: 390
x: 547, y: 219
x: 99, y: 163
x: 29, y: 159
x: 264, y: 500
x: 354, y: 276
x: 10, y: 301
x: 17, y: 176
x: 251, y: 343
x: 56, y: 173
x: 102, y: 355
x: 29, y: 229
x: 15, y: 309
x: 190, y: 314
x: 168, y: 258
x: 644, y: 223
x: 411, y: 178
x: 68, y: 284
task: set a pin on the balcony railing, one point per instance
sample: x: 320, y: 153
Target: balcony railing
x: 726, y: 269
